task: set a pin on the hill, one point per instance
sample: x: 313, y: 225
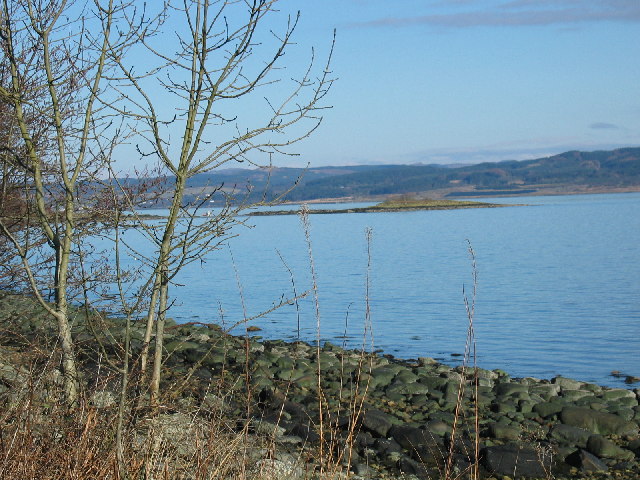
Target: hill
x: 569, y: 172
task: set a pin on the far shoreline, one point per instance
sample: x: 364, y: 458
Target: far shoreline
x: 439, y: 194
x: 391, y: 205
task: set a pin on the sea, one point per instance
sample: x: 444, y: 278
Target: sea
x: 550, y: 284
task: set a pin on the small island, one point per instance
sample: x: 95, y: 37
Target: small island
x: 397, y: 204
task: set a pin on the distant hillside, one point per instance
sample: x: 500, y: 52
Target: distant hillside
x: 569, y: 172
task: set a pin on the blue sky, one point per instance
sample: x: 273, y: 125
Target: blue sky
x: 448, y: 81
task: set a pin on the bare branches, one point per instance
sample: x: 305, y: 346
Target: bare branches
x: 192, y: 84
x: 56, y: 56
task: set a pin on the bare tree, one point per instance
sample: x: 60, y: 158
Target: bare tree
x: 76, y: 81
x: 55, y: 55
x: 224, y: 54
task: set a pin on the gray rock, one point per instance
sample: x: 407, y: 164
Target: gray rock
x: 508, y: 389
x: 545, y: 390
x: 617, y: 393
x: 411, y: 467
x: 386, y: 446
x: 377, y: 422
x: 408, y: 388
x: 627, y: 401
x: 364, y: 439
x: 290, y: 374
x: 363, y: 470
x: 485, y: 382
x: 504, y: 432
x: 201, y: 338
x: 548, y: 409
x: 504, y: 407
x: 426, y: 361
x: 567, y: 383
x: 264, y: 427
x: 530, y: 381
x: 433, y: 382
x: 307, y: 381
x: 625, y: 413
x: 486, y: 374
x: 383, y: 376
x: 412, y: 437
x: 516, y: 461
x: 177, y: 346
x: 525, y: 406
x: 603, y: 448
x: 592, y: 387
x: 104, y: 399
x: 597, y: 422
x: 586, y: 462
x: 285, y: 362
x: 568, y: 435
x: 439, y: 427
x: 405, y: 376
x: 573, y: 395
x: 285, y: 469
x: 451, y: 390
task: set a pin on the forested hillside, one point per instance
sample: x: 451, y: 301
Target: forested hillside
x: 567, y: 172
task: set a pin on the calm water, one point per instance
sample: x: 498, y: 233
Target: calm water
x: 558, y: 283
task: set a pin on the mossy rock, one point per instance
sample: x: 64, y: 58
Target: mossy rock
x: 598, y: 422
x: 603, y: 448
x: 408, y: 388
x: 548, y: 409
x: 176, y: 346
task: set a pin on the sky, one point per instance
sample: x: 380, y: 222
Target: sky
x: 467, y: 81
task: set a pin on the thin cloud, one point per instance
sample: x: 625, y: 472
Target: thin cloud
x: 525, y: 13
x: 604, y: 126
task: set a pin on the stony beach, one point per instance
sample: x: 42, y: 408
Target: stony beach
x: 403, y: 418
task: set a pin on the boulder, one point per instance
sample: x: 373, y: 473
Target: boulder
x: 422, y: 444
x: 618, y: 393
x: 545, y: 390
x: 603, y: 448
x: 574, y: 395
x: 411, y: 467
x: 504, y: 432
x: 434, y: 382
x: 286, y: 468
x: 382, y: 376
x: 586, y: 462
x: 548, y: 409
x: 507, y: 389
x: 567, y: 383
x: 410, y: 437
x: 568, y: 435
x: 597, y: 422
x: 516, y: 461
x: 439, y: 427
x: 376, y: 422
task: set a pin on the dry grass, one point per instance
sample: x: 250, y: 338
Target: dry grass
x: 41, y: 439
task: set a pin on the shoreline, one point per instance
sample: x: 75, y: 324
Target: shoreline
x: 437, y: 194
x: 375, y: 209
x: 555, y: 192
x: 409, y: 405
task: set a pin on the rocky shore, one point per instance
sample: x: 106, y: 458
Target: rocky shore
x: 402, y: 418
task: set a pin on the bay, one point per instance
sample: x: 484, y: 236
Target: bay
x: 558, y: 290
